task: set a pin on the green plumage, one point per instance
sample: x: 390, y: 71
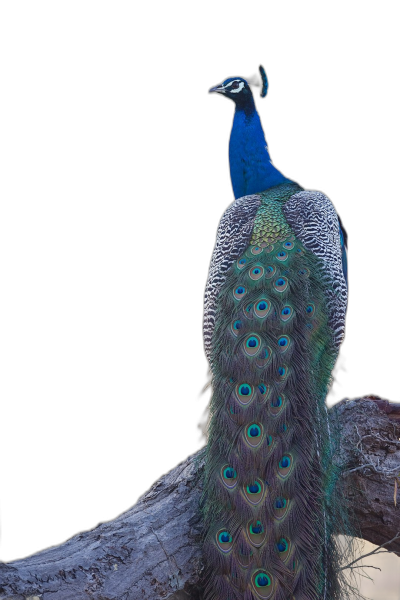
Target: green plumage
x: 270, y: 504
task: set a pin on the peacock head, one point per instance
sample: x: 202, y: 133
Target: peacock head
x: 235, y: 88
x: 238, y: 89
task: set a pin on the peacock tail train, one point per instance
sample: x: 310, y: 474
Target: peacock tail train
x: 274, y: 318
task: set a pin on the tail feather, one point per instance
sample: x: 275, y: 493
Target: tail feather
x: 272, y: 356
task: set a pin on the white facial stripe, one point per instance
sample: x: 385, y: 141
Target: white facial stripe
x: 238, y: 89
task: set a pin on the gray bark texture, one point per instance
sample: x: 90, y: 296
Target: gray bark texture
x: 153, y: 550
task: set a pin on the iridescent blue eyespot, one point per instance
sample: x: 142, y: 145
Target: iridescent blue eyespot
x: 248, y: 311
x: 254, y: 431
x: 262, y: 580
x: 253, y: 435
x: 310, y: 309
x: 256, y: 272
x: 257, y: 528
x: 229, y: 473
x: 239, y: 292
x: 282, y: 255
x: 282, y: 372
x: 236, y: 325
x: 284, y: 463
x: 244, y: 393
x: 286, y: 313
x: 280, y: 503
x: 262, y: 308
x: 269, y: 271
x: 254, y: 488
x: 289, y: 245
x: 225, y: 537
x: 282, y: 545
x: 304, y: 272
x: 252, y: 344
x: 269, y: 440
x: 262, y: 388
x: 283, y: 341
x: 277, y: 402
x: 281, y: 284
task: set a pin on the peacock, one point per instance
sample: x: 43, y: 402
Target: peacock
x: 274, y: 319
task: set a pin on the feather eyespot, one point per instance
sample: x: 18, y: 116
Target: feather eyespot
x: 256, y: 273
x: 288, y: 245
x: 254, y: 431
x: 286, y: 313
x: 282, y: 545
x: 281, y: 284
x: 262, y: 583
x: 256, y: 250
x: 310, y: 309
x: 264, y: 358
x: 248, y: 311
x: 262, y: 308
x: 224, y: 540
x: 254, y: 492
x: 282, y: 255
x: 277, y: 404
x: 244, y: 393
x: 253, y: 434
x: 256, y: 533
x: 239, y: 292
x: 285, y: 465
x: 241, y: 263
x: 283, y: 343
x: 304, y: 272
x: 236, y: 326
x: 270, y: 271
x: 262, y: 389
x: 281, y: 506
x: 282, y: 372
x: 252, y: 344
x: 229, y: 476
x: 254, y: 488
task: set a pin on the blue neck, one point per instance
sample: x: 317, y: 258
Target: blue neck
x: 251, y: 169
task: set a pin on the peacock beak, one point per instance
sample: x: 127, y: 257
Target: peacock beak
x: 218, y: 88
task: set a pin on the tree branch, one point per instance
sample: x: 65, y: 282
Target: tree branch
x: 373, y: 552
x: 153, y: 552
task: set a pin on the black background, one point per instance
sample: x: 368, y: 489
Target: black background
x: 119, y: 167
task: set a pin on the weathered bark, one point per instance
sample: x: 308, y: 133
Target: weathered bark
x: 152, y: 551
